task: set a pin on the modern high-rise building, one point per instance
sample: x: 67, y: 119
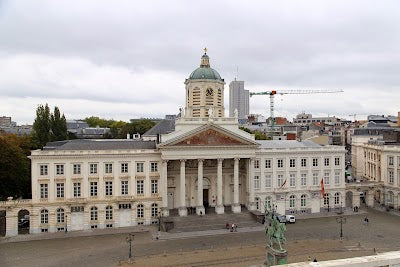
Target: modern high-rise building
x: 238, y: 99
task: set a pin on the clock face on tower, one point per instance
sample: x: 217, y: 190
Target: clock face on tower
x: 209, y: 92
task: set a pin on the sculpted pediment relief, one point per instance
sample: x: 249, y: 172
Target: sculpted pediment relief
x: 210, y: 137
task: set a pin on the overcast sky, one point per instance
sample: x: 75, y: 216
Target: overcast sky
x: 129, y: 59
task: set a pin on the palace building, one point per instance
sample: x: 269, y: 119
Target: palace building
x: 200, y: 161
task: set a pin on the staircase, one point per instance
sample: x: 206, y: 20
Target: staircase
x: 212, y: 221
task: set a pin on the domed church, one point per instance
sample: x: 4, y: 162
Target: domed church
x: 199, y: 163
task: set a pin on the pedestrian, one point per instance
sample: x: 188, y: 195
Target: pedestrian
x: 227, y: 226
x: 235, y: 227
x: 315, y: 260
x: 201, y: 213
x: 366, y: 220
x: 232, y: 227
x: 309, y: 258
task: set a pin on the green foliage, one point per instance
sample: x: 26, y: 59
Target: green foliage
x: 258, y: 135
x: 48, y: 127
x: 138, y: 126
x: 114, y: 125
x: 14, y: 166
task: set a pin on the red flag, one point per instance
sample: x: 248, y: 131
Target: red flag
x: 322, y: 188
x: 284, y: 182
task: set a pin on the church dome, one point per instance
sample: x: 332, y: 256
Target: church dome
x: 204, y: 71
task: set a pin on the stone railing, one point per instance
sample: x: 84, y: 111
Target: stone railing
x: 17, y: 202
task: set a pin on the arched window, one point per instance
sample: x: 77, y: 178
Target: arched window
x: 93, y: 214
x: 303, y: 201
x: 292, y: 201
x: 44, y: 216
x: 60, y: 215
x: 109, y: 213
x: 140, y: 211
x: 326, y: 199
x: 154, y: 210
x: 337, y: 198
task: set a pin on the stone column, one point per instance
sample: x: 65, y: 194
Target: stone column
x: 236, y: 205
x: 182, y: 190
x: 164, y: 188
x: 200, y: 207
x: 251, y: 204
x: 219, y: 209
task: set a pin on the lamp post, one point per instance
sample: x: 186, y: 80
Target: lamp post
x: 341, y: 220
x: 159, y: 220
x: 66, y: 222
x: 129, y: 239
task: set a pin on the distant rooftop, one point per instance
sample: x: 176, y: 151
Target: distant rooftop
x: 163, y: 127
x: 286, y: 144
x: 102, y: 144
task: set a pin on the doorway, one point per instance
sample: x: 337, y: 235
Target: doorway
x: 205, y: 198
x: 23, y: 222
x: 2, y: 223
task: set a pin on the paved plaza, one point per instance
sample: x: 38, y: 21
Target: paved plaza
x: 316, y: 237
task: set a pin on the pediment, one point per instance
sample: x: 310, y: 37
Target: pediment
x: 211, y: 137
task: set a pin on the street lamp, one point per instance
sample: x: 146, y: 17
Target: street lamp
x: 159, y: 220
x: 341, y: 220
x: 66, y: 222
x: 129, y: 239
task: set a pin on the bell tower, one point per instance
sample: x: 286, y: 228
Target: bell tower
x: 204, y: 91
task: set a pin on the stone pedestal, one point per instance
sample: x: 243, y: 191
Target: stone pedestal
x: 275, y: 257
x: 182, y: 211
x: 236, y: 208
x: 165, y: 212
x: 200, y: 210
x: 251, y: 206
x: 219, y: 209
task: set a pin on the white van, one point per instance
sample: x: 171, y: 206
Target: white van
x: 290, y: 219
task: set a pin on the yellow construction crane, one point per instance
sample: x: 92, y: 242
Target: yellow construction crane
x: 287, y: 92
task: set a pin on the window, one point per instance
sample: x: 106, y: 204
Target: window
x: 337, y: 198
x: 303, y: 201
x: 303, y: 162
x: 391, y: 161
x: 44, y: 192
x: 93, y: 214
x: 109, y: 225
x: 153, y: 167
x: 256, y: 182
x: 326, y: 199
x: 391, y: 176
x: 326, y: 178
x: 77, y: 189
x: 256, y: 164
x: 140, y: 211
x: 140, y: 187
x: 109, y: 188
x: 60, y: 190
x: 77, y: 209
x: 125, y: 206
x: 315, y: 162
x: 337, y: 161
x: 154, y: 210
x: 268, y: 181
x: 108, y: 168
x: 93, y: 168
x: 109, y: 213
x: 44, y: 216
x: 59, y: 169
x: 326, y: 161
x: 154, y: 186
x: 337, y: 178
x: 292, y: 163
x: 268, y: 164
x: 268, y: 202
x: 124, y: 187
x: 292, y: 201
x: 44, y: 170
x: 124, y: 167
x: 139, y: 167
x: 292, y: 180
x: 315, y: 178
x: 60, y: 215
x: 280, y: 180
x: 280, y: 163
x: 93, y: 189
x: 77, y: 168
x: 303, y: 179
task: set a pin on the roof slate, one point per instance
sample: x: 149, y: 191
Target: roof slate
x: 100, y: 144
x: 163, y: 127
x: 286, y: 144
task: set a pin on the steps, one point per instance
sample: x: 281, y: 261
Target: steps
x: 212, y: 221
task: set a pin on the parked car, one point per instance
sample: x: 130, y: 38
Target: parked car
x: 23, y: 223
x: 290, y: 219
x: 281, y: 218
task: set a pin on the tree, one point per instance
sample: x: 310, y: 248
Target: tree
x: 14, y: 168
x: 41, y: 126
x: 140, y: 126
x: 257, y: 135
x: 58, y: 126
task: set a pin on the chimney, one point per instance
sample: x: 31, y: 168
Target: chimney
x: 398, y: 119
x: 128, y: 136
